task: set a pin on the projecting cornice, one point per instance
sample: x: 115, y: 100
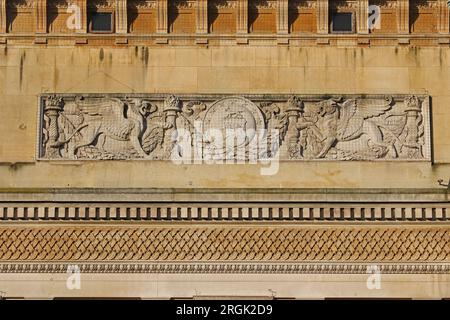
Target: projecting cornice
x: 202, y: 12
x: 286, y: 195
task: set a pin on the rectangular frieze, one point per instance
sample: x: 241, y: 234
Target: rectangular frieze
x: 224, y: 128
x: 424, y: 246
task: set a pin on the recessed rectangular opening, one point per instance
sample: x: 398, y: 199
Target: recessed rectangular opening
x: 342, y: 22
x: 101, y: 22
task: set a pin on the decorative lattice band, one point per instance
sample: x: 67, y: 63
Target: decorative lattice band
x: 258, y: 243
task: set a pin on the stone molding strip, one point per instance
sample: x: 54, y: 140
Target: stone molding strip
x: 292, y: 40
x: 224, y: 211
x: 228, y: 268
x: 220, y: 195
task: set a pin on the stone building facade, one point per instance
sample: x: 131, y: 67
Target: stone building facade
x: 348, y: 198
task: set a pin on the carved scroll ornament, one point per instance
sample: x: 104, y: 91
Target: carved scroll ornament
x: 91, y: 127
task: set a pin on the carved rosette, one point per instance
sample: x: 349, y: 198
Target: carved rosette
x: 216, y: 127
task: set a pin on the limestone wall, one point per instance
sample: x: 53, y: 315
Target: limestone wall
x: 28, y: 71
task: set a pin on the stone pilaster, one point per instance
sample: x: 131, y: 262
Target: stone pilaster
x: 121, y: 16
x: 82, y: 4
x: 362, y: 16
x: 41, y: 16
x: 2, y: 16
x: 443, y: 22
x: 161, y: 16
x: 242, y: 16
x: 322, y: 16
x: 201, y: 19
x: 283, y: 17
x: 403, y: 16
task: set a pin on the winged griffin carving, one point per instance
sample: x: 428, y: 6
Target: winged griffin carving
x: 109, y: 125
x: 350, y: 120
x: 358, y: 129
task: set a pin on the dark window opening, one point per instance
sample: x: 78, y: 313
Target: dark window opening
x: 101, y: 22
x: 342, y: 22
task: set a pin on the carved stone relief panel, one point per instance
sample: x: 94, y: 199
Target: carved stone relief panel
x: 221, y: 127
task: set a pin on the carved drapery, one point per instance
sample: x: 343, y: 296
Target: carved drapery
x: 219, y: 128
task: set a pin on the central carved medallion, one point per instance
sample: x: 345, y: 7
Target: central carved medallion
x: 236, y: 121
